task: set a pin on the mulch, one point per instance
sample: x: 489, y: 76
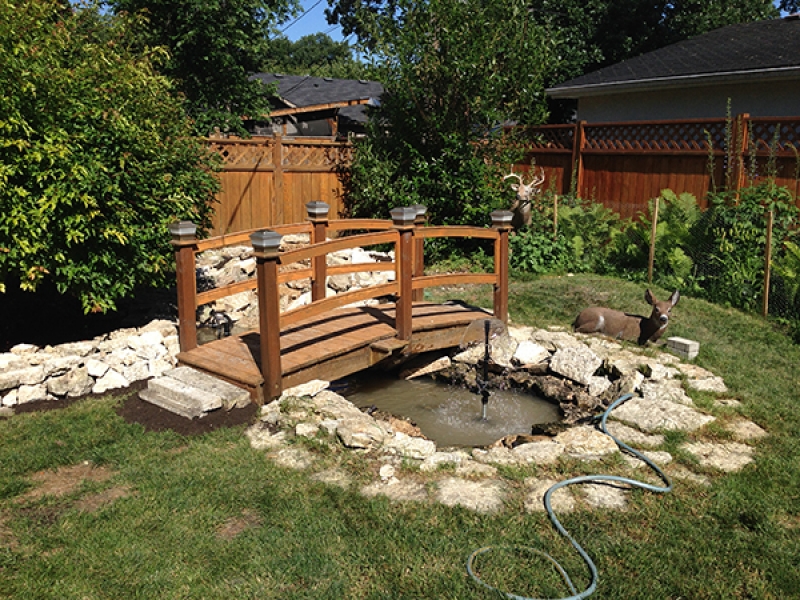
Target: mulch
x: 153, y: 418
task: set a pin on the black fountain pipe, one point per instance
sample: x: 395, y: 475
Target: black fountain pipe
x: 484, y: 385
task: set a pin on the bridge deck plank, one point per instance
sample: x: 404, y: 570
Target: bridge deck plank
x: 340, y: 338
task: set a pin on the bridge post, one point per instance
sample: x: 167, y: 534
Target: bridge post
x: 266, y: 244
x: 419, y: 250
x: 501, y: 221
x: 184, y: 240
x: 318, y: 215
x: 403, y: 221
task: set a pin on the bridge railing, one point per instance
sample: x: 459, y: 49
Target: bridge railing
x: 405, y: 232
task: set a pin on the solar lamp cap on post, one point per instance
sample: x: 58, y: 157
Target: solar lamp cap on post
x: 403, y: 216
x: 182, y: 231
x: 501, y: 219
x: 317, y: 210
x: 422, y: 210
x: 266, y: 243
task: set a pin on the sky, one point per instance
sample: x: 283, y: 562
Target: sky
x: 312, y: 21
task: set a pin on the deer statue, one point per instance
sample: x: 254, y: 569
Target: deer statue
x: 620, y: 325
x: 525, y: 194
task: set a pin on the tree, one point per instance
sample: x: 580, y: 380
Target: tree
x: 589, y: 34
x: 96, y: 156
x: 316, y: 55
x: 454, y: 72
x: 214, y: 46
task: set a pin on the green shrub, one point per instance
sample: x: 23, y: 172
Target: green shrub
x: 95, y: 156
x: 730, y: 242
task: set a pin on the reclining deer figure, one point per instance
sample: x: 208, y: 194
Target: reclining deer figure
x: 620, y: 325
x: 525, y: 194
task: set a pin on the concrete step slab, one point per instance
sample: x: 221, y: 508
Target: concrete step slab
x: 191, y: 397
x: 231, y: 395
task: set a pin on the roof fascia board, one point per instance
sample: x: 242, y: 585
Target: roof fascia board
x: 660, y: 83
x: 282, y: 112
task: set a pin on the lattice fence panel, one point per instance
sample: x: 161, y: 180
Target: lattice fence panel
x: 310, y: 155
x: 236, y: 155
x: 552, y: 138
x: 656, y: 137
x: 783, y: 136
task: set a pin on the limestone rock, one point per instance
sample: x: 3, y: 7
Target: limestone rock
x: 745, y: 431
x: 600, y: 495
x: 660, y: 458
x: 310, y: 389
x: 262, y: 436
x: 481, y: 496
x: 598, y: 385
x: 538, y: 453
x: 32, y: 393
x: 443, y: 362
x: 730, y: 456
x: 362, y: 433
x: 669, y: 390
x: 577, y: 363
x: 586, y: 443
x: 110, y: 381
x: 561, y: 501
x: 654, y: 415
x: 406, y: 446
x: 529, y: 353
x: 437, y: 459
x: 74, y: 383
x: 632, y: 436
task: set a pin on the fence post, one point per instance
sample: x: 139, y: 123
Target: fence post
x: 184, y: 240
x: 419, y: 250
x: 266, y: 245
x: 501, y: 221
x: 277, y: 174
x: 318, y: 215
x: 767, y: 263
x: 403, y: 220
x: 577, y: 157
x: 652, y: 258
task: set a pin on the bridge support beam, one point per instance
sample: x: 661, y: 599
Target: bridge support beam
x: 184, y: 240
x: 266, y: 245
x: 418, y: 295
x: 501, y: 221
x: 318, y: 215
x: 403, y: 220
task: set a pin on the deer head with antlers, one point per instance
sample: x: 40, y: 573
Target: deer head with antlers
x: 526, y: 192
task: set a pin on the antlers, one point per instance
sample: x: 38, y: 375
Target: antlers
x: 525, y: 191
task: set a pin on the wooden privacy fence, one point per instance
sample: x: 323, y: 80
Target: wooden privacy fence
x: 624, y: 165
x: 266, y: 181
x: 404, y: 232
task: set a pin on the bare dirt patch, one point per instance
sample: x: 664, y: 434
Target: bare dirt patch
x: 94, y: 502
x: 64, y: 480
x: 7, y: 537
x: 249, y: 519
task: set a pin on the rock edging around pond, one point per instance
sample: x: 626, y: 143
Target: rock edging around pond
x: 406, y: 467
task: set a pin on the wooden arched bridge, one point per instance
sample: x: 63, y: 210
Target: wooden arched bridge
x: 330, y: 338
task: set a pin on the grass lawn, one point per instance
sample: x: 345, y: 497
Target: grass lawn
x: 159, y: 515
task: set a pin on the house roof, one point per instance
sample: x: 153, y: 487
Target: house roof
x: 349, y: 95
x: 759, y: 50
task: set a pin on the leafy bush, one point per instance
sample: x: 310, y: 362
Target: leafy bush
x: 590, y: 228
x: 730, y: 241
x: 674, y: 261
x: 95, y: 156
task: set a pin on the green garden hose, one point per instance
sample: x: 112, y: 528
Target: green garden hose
x: 548, y: 507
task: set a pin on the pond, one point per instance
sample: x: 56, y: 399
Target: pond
x: 447, y: 414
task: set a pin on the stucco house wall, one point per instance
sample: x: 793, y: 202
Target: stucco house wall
x: 755, y: 65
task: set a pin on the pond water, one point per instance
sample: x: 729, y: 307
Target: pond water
x: 450, y: 415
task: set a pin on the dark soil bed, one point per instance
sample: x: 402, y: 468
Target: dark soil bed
x: 153, y: 418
